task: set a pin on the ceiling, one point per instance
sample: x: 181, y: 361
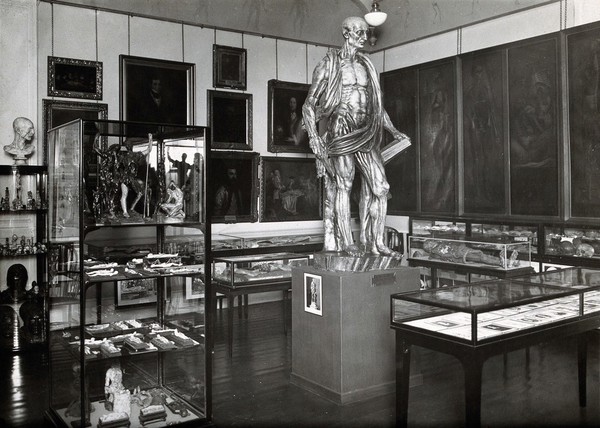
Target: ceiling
x: 318, y: 21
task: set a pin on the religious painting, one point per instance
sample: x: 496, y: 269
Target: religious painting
x: 313, y: 294
x: 399, y: 89
x: 233, y: 187
x: 286, y: 129
x: 156, y: 91
x: 583, y: 54
x: 534, y: 125
x: 74, y: 78
x: 229, y: 67
x: 230, y: 120
x: 290, y: 190
x: 483, y: 133
x: 437, y: 142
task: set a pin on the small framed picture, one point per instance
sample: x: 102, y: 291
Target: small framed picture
x: 290, y: 190
x: 313, y: 294
x: 233, y: 187
x: 229, y: 67
x: 230, y: 120
x: 74, y: 78
x: 286, y: 129
x: 194, y: 288
x: 133, y: 292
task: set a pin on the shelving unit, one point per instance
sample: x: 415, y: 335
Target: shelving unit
x: 130, y: 333
x: 23, y: 251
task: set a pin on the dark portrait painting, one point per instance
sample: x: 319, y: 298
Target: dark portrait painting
x: 229, y: 67
x: 584, y: 119
x: 483, y: 133
x: 533, y: 101
x: 233, y: 187
x: 399, y: 89
x: 290, y: 190
x: 230, y: 120
x: 157, y: 91
x: 437, y: 138
x: 286, y: 130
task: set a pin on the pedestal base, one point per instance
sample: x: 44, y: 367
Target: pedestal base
x: 341, y: 262
x: 347, y: 354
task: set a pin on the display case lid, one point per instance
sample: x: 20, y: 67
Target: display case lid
x: 489, y: 295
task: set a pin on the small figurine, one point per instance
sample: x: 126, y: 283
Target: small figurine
x: 30, y: 200
x: 21, y: 147
x: 117, y: 397
x: 173, y: 205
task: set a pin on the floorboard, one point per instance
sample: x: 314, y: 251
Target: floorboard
x: 252, y: 388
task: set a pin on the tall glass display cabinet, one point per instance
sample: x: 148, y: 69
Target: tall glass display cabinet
x: 128, y: 240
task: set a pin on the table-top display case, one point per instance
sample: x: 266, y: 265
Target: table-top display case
x: 264, y: 241
x: 128, y: 340
x: 577, y: 245
x: 440, y: 228
x: 263, y: 269
x: 476, y: 321
x: 494, y: 255
x: 488, y: 310
x: 23, y: 252
x: 505, y: 233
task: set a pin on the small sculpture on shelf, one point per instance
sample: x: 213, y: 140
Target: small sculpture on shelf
x: 16, y: 281
x: 21, y: 147
x: 6, y: 200
x: 74, y: 407
x: 118, y: 398
x: 30, y: 201
x: 173, y: 205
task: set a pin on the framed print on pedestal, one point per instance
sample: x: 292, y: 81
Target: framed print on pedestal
x: 157, y: 91
x: 229, y: 67
x: 230, y: 120
x: 74, y: 78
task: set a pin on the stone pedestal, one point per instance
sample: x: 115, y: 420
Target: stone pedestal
x: 347, y: 354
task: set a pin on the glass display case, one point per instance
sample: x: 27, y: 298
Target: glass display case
x: 23, y: 252
x: 264, y: 241
x: 237, y: 271
x: 127, y: 237
x: 575, y: 245
x: 506, y: 233
x: 439, y: 228
x: 471, y: 252
x: 493, y: 309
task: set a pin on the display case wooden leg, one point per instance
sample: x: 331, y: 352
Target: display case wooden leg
x: 402, y: 380
x: 582, y: 341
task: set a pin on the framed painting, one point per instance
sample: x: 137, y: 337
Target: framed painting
x: 156, y: 91
x: 399, y: 89
x: 290, y: 190
x: 230, y: 120
x: 74, y: 78
x: 229, y: 67
x: 313, y: 294
x: 56, y: 113
x: 133, y: 292
x: 534, y: 125
x: 437, y: 141
x: 194, y: 288
x: 286, y: 130
x: 483, y: 133
x: 583, y: 56
x: 233, y: 187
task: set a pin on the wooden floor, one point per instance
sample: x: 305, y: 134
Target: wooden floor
x: 252, y: 388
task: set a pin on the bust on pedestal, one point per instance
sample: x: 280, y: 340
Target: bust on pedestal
x: 21, y: 147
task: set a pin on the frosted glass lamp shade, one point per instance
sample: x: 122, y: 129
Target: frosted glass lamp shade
x: 375, y: 19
